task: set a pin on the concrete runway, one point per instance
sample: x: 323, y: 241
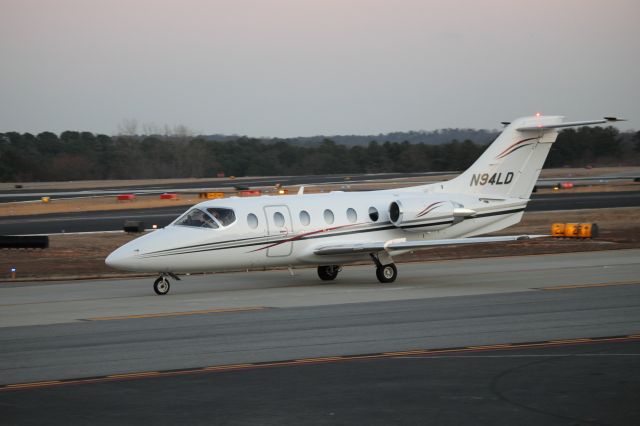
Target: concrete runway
x: 114, y: 220
x: 88, y: 333
x: 441, y: 304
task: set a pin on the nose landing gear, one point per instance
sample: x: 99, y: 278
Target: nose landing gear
x: 162, y: 285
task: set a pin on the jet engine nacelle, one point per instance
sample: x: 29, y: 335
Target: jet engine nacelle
x: 426, y: 214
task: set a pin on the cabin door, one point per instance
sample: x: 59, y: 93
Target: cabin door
x: 279, y: 225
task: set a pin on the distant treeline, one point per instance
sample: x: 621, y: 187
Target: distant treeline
x: 433, y: 137
x: 86, y: 156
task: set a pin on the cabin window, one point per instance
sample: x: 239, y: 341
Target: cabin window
x: 373, y: 214
x: 305, y: 219
x: 278, y: 219
x: 198, y: 219
x: 352, y: 216
x: 252, y: 220
x: 225, y: 216
x: 328, y: 216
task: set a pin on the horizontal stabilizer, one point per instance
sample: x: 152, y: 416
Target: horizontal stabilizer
x: 568, y: 124
x: 374, y: 247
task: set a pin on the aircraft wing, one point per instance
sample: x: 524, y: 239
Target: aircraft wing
x: 374, y: 247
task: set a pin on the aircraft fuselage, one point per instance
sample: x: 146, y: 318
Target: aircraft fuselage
x: 288, y: 227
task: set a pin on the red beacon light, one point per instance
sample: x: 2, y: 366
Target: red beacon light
x: 538, y: 116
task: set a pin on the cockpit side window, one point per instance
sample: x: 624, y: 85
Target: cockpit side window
x: 225, y: 216
x: 197, y: 218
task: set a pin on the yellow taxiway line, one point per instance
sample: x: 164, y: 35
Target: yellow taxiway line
x: 572, y: 286
x: 311, y: 361
x: 177, y: 314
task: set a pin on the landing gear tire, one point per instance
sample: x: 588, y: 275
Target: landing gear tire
x: 161, y: 286
x: 328, y: 272
x: 387, y: 273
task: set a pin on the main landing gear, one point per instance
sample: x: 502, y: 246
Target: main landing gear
x: 162, y: 285
x: 329, y: 272
x: 386, y: 270
x: 386, y: 273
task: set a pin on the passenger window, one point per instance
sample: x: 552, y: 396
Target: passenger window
x: 225, y: 216
x: 196, y: 218
x: 352, y: 216
x: 278, y: 219
x: 373, y: 214
x: 252, y: 220
x: 305, y: 219
x: 328, y: 216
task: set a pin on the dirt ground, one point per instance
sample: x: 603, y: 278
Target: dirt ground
x: 82, y: 256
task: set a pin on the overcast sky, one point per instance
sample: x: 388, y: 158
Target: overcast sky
x: 307, y: 67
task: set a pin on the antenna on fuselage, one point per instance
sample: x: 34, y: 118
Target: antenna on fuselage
x: 301, y: 190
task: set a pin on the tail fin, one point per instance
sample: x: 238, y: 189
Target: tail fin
x: 510, y: 167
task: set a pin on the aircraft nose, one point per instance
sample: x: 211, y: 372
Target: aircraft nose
x: 138, y: 255
x: 120, y: 259
x: 113, y: 260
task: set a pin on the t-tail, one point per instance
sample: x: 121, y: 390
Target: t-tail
x: 510, y: 166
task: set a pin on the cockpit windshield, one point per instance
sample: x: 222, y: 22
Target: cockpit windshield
x: 225, y: 216
x: 213, y: 218
x: 197, y: 218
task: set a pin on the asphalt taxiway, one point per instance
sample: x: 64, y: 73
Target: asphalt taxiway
x: 592, y: 382
x: 269, y: 348
x: 81, y: 189
x: 114, y: 220
x: 22, y: 194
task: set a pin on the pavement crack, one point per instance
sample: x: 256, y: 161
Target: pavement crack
x: 495, y: 389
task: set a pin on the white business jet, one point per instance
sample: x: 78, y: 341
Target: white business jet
x: 337, y: 228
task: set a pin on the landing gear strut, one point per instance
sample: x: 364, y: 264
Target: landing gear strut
x: 385, y: 273
x: 162, y: 285
x: 328, y: 272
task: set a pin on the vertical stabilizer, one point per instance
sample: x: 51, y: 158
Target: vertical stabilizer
x: 510, y: 167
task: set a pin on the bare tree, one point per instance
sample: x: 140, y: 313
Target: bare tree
x: 128, y: 127
x: 151, y: 129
